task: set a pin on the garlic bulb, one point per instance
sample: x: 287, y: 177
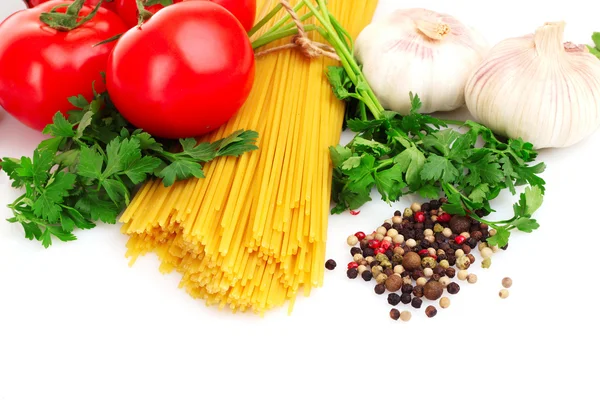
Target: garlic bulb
x: 539, y: 89
x: 419, y: 51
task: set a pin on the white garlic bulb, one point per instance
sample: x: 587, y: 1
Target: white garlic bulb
x: 539, y: 89
x: 419, y: 51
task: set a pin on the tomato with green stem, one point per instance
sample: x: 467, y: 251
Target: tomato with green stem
x: 108, y: 4
x: 47, y: 56
x: 186, y: 73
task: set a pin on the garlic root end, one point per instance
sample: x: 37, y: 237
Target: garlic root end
x: 433, y: 29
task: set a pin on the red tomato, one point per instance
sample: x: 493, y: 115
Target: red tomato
x: 127, y: 10
x: 108, y: 4
x: 41, y: 67
x: 185, y: 73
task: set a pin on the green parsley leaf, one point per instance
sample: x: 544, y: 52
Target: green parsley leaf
x: 525, y: 224
x: 180, y: 170
x: 340, y: 82
x: 480, y: 193
x: 500, y: 239
x: 389, y: 183
x: 339, y: 154
x: 411, y: 161
x: 372, y: 147
x: 439, y: 168
x: 59, y: 127
x: 350, y: 163
x: 533, y: 198
x: 90, y: 163
x: 236, y: 144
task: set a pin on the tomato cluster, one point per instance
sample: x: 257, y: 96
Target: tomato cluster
x: 184, y: 73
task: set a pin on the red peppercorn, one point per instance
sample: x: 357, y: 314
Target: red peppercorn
x: 433, y: 256
x: 445, y: 217
x: 423, y: 253
x: 379, y: 251
x: 385, y: 245
x: 460, y: 239
x: 354, y: 212
x: 374, y: 244
x: 420, y: 216
x: 360, y: 235
x: 352, y: 265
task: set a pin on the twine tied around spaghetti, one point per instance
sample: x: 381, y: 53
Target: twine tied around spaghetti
x: 308, y: 47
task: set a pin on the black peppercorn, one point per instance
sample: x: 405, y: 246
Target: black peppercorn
x: 355, y: 250
x: 419, y: 226
x: 450, y: 272
x: 438, y: 271
x: 352, y: 273
x: 387, y: 226
x: 404, y: 274
x: 394, y: 314
x: 368, y: 252
x: 374, y: 263
x: 393, y: 299
x: 451, y: 260
x: 435, y: 204
x: 472, y: 242
x: 435, y: 277
x: 416, y: 302
x: 429, y: 224
x: 367, y: 275
x: 397, y: 227
x: 380, y: 288
x: 466, y: 248
x: 364, y: 244
x: 430, y: 311
x: 425, y: 207
x: 504, y: 247
x: 424, y: 243
x: 417, y: 274
x: 405, y: 298
x: 389, y: 253
x: 442, y: 257
x: 388, y: 271
x: 406, y: 288
x: 330, y: 265
x: 397, y: 213
x: 453, y: 288
x: 418, y: 291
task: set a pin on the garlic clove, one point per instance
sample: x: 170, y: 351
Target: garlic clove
x: 537, y: 88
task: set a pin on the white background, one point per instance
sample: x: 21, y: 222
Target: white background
x: 77, y: 323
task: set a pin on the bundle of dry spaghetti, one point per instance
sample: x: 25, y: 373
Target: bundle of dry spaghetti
x: 252, y: 234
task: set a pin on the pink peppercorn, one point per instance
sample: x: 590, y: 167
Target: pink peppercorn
x: 360, y: 235
x: 352, y: 265
x: 420, y: 216
x: 460, y: 239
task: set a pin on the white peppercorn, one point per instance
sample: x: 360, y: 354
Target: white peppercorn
x: 382, y: 230
x: 398, y: 269
x: 388, y: 221
x: 430, y: 239
x: 398, y: 239
x: 381, y: 278
x: 428, y: 232
x: 472, y: 278
x: 421, y: 281
x: 392, y: 232
x: 444, y: 302
x: 407, y: 280
x: 431, y: 251
x: 462, y: 274
x: 482, y: 246
x: 411, y: 242
x: 361, y: 269
x: 396, y: 220
x: 379, y: 236
x: 486, y: 252
x: 459, y: 253
x: 444, y: 264
x: 415, y: 207
x: 447, y: 232
x: 428, y: 272
x: 387, y: 239
x: 352, y: 240
x: 492, y: 232
x: 444, y: 280
x: 466, y: 235
x: 495, y: 249
x: 405, y: 316
x: 369, y: 259
x: 376, y: 271
x: 503, y: 293
x: 358, y: 257
x: 507, y: 282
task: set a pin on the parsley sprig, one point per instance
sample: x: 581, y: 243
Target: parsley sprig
x: 89, y: 168
x: 416, y: 153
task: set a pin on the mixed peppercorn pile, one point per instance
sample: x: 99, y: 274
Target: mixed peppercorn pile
x: 415, y: 255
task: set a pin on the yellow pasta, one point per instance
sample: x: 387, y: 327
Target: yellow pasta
x: 252, y: 233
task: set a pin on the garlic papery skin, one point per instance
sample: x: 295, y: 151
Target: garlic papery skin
x: 537, y: 88
x: 419, y: 51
